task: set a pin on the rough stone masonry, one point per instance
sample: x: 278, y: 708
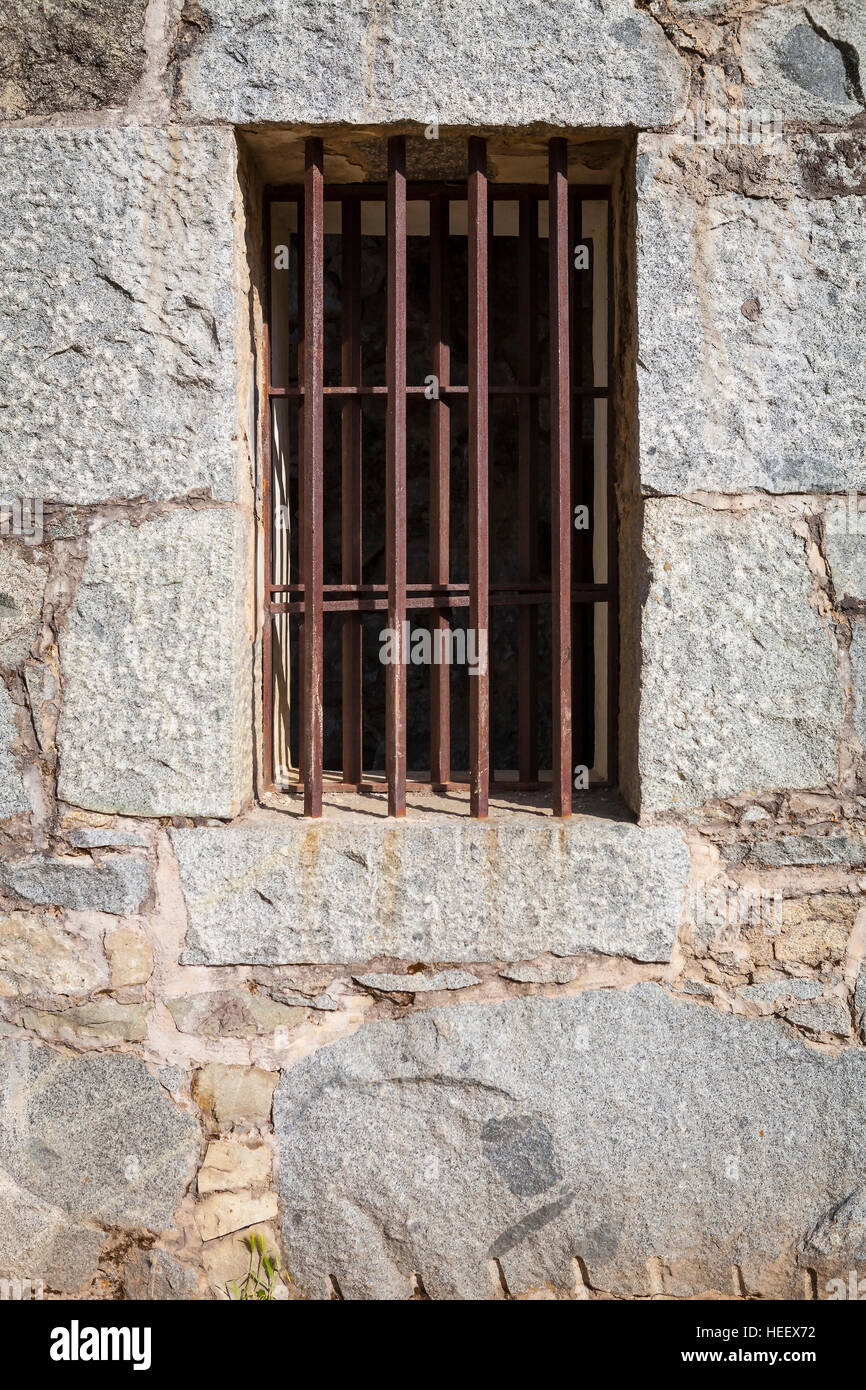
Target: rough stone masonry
x: 634, y: 1061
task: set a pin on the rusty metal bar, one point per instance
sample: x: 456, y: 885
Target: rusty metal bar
x: 302, y: 287
x: 351, y: 493
x: 560, y: 476
x: 479, y: 560
x: 440, y: 488
x: 313, y: 468
x: 395, y: 471
x: 267, y: 513
x: 527, y: 491
x: 513, y: 390
x: 612, y: 575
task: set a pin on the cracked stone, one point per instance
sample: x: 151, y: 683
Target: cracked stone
x: 419, y: 983
x: 802, y: 59
x: 229, y: 1166
x: 234, y: 1013
x: 117, y: 885
x: 69, y: 55
x: 341, y: 891
x: 768, y: 991
x: 225, y: 1212
x: 540, y: 974
x: 104, y: 1021
x: 235, y: 1095
x: 620, y: 1127
x: 831, y: 1016
x: 41, y: 953
x: 127, y: 1165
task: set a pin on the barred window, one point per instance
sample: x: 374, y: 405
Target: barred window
x: 440, y: 605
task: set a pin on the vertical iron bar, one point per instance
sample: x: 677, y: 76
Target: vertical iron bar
x: 351, y: 498
x: 560, y: 476
x: 267, y: 514
x: 583, y: 492
x: 479, y: 690
x: 302, y: 289
x: 440, y: 489
x: 313, y: 470
x: 395, y: 469
x: 612, y: 525
x: 527, y: 488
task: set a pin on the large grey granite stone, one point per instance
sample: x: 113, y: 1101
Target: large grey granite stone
x: 118, y: 885
x: 618, y: 1127
x: 117, y: 321
x: 94, y: 1138
x: 804, y: 60
x: 69, y: 55
x: 156, y: 673
x: 13, y: 798
x: 488, y: 62
x: 751, y: 374
x: 431, y: 890
x: 738, y: 684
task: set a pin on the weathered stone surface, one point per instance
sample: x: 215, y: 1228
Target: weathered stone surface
x: 40, y: 954
x: 117, y: 323
x: 419, y: 983
x: 13, y: 797
x: 92, y: 837
x: 858, y: 678
x: 845, y: 533
x: 831, y: 1016
x: 739, y: 692
x: 235, y: 1095
x: 227, y: 1258
x: 117, y: 885
x: 102, y: 1022
x: 772, y: 398
x: 842, y: 1232
x: 69, y: 55
x: 860, y: 1003
x: 500, y: 63
x: 815, y: 929
x: 768, y: 991
x: 225, y: 1212
x: 234, y: 1013
x: 39, y: 1241
x: 22, y: 585
x: 230, y: 1166
x: 429, y: 890
x: 155, y: 1275
x: 616, y: 1126
x: 131, y: 958
x: 809, y: 849
x: 526, y: 974
x: 155, y: 665
x: 802, y: 59
x: 96, y: 1136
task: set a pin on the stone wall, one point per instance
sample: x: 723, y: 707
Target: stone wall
x: 629, y: 1050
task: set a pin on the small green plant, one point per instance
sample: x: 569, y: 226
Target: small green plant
x: 265, y: 1279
